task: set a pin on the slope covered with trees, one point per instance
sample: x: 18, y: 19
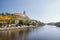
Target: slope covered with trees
x: 10, y: 18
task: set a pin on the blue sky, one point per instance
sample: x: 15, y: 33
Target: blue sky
x: 42, y: 10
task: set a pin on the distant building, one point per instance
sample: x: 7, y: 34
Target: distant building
x: 21, y: 15
x: 16, y: 21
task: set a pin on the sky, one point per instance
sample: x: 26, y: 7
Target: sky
x: 42, y: 10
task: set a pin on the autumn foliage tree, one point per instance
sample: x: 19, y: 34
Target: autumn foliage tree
x: 6, y: 18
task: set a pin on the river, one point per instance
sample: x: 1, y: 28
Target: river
x: 40, y: 33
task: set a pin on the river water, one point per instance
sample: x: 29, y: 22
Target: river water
x: 40, y: 33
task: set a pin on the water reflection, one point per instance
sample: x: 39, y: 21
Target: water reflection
x: 39, y: 33
x: 5, y: 35
x: 45, y: 33
x: 13, y: 35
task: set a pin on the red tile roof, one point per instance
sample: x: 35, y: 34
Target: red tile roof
x: 20, y: 14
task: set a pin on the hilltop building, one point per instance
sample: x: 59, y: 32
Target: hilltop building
x: 19, y: 16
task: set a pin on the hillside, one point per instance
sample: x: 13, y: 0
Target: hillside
x: 18, y: 19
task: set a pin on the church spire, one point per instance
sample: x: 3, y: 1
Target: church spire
x: 24, y: 12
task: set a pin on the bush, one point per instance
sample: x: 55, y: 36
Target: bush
x: 0, y: 24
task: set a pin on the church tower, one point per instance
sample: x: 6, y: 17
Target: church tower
x: 24, y: 12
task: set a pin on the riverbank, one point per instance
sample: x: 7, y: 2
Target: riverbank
x: 17, y: 28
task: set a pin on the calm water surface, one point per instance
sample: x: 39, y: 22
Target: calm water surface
x: 39, y: 33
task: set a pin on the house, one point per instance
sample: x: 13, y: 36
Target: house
x: 19, y: 16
